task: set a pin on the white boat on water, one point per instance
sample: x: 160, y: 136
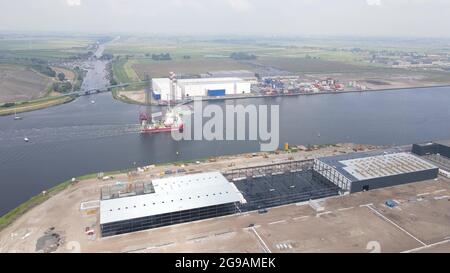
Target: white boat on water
x: 93, y: 101
x: 16, y: 117
x: 26, y: 139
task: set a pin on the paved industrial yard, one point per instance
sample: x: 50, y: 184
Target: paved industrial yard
x: 353, y: 223
x: 348, y: 224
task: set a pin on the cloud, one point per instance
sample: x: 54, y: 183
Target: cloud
x: 427, y: 18
x: 240, y: 5
x: 373, y: 2
x: 188, y: 4
x: 73, y: 3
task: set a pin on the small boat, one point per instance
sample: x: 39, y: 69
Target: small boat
x: 16, y: 117
x: 26, y: 139
x: 93, y: 101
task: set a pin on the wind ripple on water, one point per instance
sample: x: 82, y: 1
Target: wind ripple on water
x: 58, y: 134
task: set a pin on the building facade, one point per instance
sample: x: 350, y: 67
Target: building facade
x: 171, y: 201
x: 430, y: 148
x: 200, y: 87
x: 372, y: 170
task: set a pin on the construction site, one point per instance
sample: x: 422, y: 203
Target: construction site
x: 274, y: 204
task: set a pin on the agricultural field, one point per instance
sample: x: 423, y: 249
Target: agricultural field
x: 24, y: 86
x: 212, y: 55
x: 311, y: 59
x: 43, y: 48
x: 123, y: 71
x: 139, y: 47
x: 309, y: 65
x: 193, y: 66
x: 19, y: 82
x: 28, y: 106
x: 133, y: 61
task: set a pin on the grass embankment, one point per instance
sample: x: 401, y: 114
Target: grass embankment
x: 8, y: 218
x: 27, y: 106
x: 14, y: 214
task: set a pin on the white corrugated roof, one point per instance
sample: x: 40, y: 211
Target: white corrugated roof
x: 172, y: 194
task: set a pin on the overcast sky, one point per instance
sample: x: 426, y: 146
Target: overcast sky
x: 421, y: 18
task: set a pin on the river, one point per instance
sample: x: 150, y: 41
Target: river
x: 79, y: 138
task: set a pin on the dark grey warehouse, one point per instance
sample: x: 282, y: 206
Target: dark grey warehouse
x: 430, y: 148
x: 372, y: 170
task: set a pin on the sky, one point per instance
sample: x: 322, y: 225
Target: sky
x: 389, y: 18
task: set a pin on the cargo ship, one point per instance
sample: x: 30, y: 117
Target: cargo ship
x: 171, y: 122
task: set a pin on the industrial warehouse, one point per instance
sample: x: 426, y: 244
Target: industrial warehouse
x: 430, y: 148
x: 178, y: 199
x: 180, y: 89
x: 372, y: 170
x: 437, y: 152
x: 279, y: 184
x: 167, y: 201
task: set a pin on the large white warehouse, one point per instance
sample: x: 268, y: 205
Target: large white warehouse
x: 201, y: 87
x: 169, y: 201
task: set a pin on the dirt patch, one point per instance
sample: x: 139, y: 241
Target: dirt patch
x: 49, y: 242
x: 138, y: 96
